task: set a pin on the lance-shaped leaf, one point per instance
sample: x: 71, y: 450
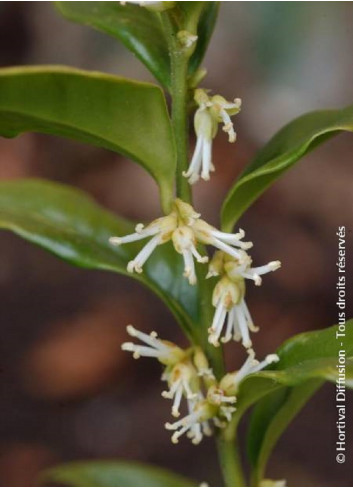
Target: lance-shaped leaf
x: 287, y: 147
x: 114, y: 474
x: 69, y: 224
x: 269, y: 420
x: 114, y: 113
x: 142, y: 32
x: 304, y: 357
x: 306, y: 360
x: 139, y: 29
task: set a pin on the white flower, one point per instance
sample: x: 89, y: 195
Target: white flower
x: 185, y: 229
x: 230, y: 382
x: 211, y: 112
x: 181, y: 375
x: 183, y: 381
x: 195, y: 424
x: 177, y: 226
x: 228, y: 297
x: 165, y: 352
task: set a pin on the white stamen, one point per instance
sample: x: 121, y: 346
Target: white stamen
x: 233, y: 239
x: 226, y: 248
x: 206, y: 158
x: 137, y: 263
x: 189, y: 267
x: 243, y: 326
x: 196, y: 162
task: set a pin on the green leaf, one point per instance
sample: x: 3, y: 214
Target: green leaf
x: 114, y: 113
x: 113, y: 474
x: 305, y: 361
x: 69, y: 224
x: 206, y: 20
x: 139, y: 29
x: 283, y: 150
x: 270, y: 418
x: 303, y: 357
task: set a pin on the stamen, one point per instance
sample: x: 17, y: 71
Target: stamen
x: 189, y: 267
x: 199, y: 258
x: 230, y: 321
x: 195, y: 166
x: 228, y: 126
x: 247, y: 314
x: 206, y: 158
x: 138, y: 350
x: 243, y: 327
x: 137, y: 263
x: 270, y: 267
x: 273, y: 358
x: 226, y: 248
x: 233, y: 239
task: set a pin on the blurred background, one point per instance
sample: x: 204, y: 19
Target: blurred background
x: 67, y: 392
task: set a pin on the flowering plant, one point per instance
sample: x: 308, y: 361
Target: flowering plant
x: 198, y: 270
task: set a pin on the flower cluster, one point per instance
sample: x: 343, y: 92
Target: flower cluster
x: 189, y: 378
x: 211, y: 111
x: 184, y: 228
x: 228, y: 296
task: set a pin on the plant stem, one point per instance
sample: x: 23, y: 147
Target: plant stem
x: 227, y: 450
x: 179, y: 92
x: 230, y: 463
x: 180, y: 121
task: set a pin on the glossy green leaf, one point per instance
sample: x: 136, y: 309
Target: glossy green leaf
x: 303, y: 357
x: 69, y: 224
x: 287, y: 147
x: 206, y: 13
x: 113, y: 474
x: 139, y: 29
x: 269, y: 420
x: 306, y: 360
x: 114, y: 113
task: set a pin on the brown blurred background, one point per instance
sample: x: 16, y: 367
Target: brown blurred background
x: 67, y: 391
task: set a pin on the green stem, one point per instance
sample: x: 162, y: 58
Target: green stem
x: 227, y: 450
x: 230, y: 463
x: 180, y: 121
x: 179, y: 92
